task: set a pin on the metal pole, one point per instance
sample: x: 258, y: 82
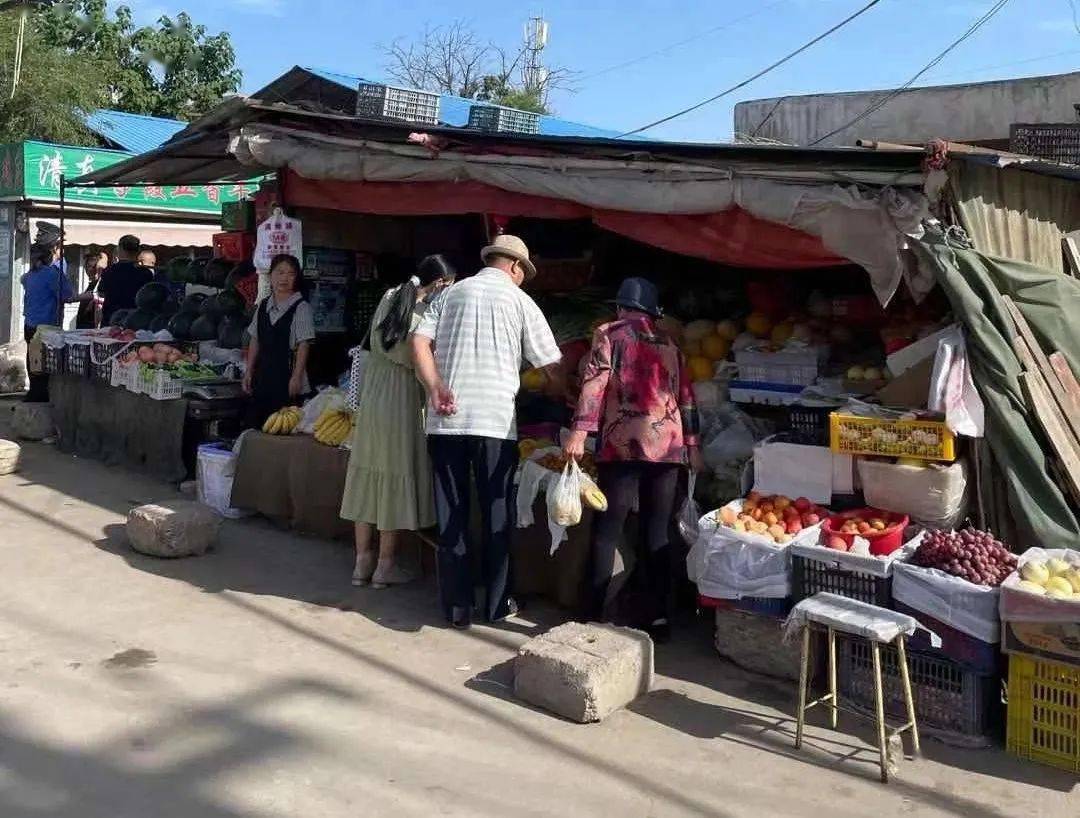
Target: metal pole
x: 60, y: 280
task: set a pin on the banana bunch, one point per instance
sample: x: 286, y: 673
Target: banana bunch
x: 283, y: 421
x: 591, y: 494
x: 333, y: 427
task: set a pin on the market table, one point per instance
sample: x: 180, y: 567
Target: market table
x: 119, y: 427
x: 294, y: 481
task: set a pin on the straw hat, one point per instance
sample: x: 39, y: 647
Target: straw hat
x: 511, y: 247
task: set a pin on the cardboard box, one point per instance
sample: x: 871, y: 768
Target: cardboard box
x: 1053, y: 641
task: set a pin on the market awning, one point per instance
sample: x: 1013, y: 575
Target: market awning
x: 105, y: 233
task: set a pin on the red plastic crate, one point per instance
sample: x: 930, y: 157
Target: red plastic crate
x: 234, y: 246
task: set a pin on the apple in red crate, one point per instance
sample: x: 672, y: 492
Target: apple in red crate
x: 836, y: 543
x: 803, y: 505
x: 810, y: 518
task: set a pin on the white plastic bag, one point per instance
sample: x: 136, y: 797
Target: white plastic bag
x: 934, y: 495
x: 564, y: 503
x: 726, y: 567
x: 215, y: 469
x: 328, y: 399
x: 952, y: 389
x: 689, y: 514
x: 278, y: 234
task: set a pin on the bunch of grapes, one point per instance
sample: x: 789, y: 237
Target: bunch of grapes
x: 969, y: 554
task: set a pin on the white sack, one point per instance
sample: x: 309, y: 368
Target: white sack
x: 970, y: 608
x: 934, y: 495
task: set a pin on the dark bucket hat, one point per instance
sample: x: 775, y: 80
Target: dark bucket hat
x: 639, y: 294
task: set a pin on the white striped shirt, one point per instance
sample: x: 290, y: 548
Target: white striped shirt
x: 483, y: 328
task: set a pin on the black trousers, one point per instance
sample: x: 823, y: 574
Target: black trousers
x: 39, y: 382
x: 652, y: 486
x: 457, y: 461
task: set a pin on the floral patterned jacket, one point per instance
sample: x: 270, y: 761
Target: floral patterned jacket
x: 636, y: 393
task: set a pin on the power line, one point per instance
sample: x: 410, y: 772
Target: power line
x: 760, y: 73
x: 979, y: 70
x: 667, y: 48
x: 881, y: 103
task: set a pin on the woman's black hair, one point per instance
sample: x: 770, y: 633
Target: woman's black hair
x: 396, y: 323
x: 299, y: 284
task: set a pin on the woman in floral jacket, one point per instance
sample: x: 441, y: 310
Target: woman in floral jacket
x: 636, y: 396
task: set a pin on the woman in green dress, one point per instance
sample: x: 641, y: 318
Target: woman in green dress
x: 389, y: 483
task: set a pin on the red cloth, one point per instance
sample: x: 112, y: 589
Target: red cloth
x: 729, y: 237
x: 636, y: 392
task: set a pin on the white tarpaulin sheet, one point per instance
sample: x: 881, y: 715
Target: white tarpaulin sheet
x: 868, y: 227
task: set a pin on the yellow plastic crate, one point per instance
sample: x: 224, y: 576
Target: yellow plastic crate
x: 1044, y: 712
x: 926, y: 439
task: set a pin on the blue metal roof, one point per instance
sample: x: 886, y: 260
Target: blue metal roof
x: 454, y: 110
x: 133, y: 132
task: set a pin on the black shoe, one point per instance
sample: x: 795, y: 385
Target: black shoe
x: 513, y: 608
x: 461, y: 617
x: 660, y: 631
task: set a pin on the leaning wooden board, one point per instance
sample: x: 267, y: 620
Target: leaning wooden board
x: 1057, y: 432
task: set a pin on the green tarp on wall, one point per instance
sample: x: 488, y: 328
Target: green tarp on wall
x: 1050, y: 301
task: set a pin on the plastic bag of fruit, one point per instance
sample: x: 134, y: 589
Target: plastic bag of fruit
x: 564, y: 503
x: 689, y: 514
x: 1036, y: 591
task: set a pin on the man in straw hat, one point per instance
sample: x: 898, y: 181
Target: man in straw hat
x: 469, y: 348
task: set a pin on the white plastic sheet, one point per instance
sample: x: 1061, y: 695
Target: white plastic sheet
x: 329, y: 399
x: 933, y: 495
x: 970, y: 608
x: 724, y: 567
x: 1018, y: 605
x: 849, y: 561
x: 854, y: 617
x: 794, y: 470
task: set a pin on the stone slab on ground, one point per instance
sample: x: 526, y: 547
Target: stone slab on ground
x: 175, y: 528
x: 9, y: 456
x: 33, y: 421
x: 584, y: 672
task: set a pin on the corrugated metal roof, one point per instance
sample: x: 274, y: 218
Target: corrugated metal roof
x: 454, y: 110
x: 133, y: 132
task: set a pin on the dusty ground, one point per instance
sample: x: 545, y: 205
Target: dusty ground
x: 255, y: 682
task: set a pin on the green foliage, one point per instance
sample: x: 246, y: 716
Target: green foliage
x: 501, y: 93
x: 54, y: 87
x: 172, y: 69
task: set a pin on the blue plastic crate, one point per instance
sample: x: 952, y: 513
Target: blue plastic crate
x: 778, y: 608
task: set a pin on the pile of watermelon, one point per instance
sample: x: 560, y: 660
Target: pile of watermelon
x: 221, y: 318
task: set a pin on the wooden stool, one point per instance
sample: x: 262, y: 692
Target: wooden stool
x: 860, y: 620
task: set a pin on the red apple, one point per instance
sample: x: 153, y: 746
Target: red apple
x: 803, y: 505
x: 837, y: 543
x: 794, y: 526
x: 810, y: 519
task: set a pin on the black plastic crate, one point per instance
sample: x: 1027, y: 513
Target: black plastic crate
x: 947, y: 695
x: 78, y: 360
x: 809, y: 425
x: 809, y: 577
x: 53, y: 360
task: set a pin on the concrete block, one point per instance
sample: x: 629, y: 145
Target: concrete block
x: 584, y: 672
x: 33, y: 421
x: 9, y: 456
x: 176, y: 528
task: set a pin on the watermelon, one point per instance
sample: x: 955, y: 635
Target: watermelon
x: 230, y: 302
x: 180, y: 325
x: 170, y: 307
x: 151, y: 296
x: 204, y: 328
x: 231, y: 332
x: 177, y: 269
x: 211, y: 307
x: 238, y: 274
x: 216, y: 272
x: 120, y: 317
x: 138, y: 319
x: 193, y: 303
x: 159, y: 323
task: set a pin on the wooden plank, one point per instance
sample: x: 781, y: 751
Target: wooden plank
x: 1034, y: 359
x: 1067, y: 379
x: 1070, y: 248
x: 1057, y: 432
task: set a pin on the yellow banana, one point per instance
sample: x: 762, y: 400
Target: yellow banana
x: 269, y: 422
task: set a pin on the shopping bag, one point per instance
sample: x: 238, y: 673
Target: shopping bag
x: 689, y: 514
x: 564, y: 503
x: 278, y: 234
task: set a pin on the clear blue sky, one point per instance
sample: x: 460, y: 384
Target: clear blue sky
x: 879, y: 50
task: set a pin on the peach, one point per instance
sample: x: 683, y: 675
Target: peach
x: 781, y: 502
x: 766, y: 506
x: 783, y: 539
x: 757, y: 514
x: 837, y: 543
x: 728, y: 515
x: 753, y: 497
x: 739, y: 525
x: 770, y: 518
x: 776, y: 531
x: 878, y: 525
x: 864, y: 528
x: 794, y: 527
x: 749, y: 505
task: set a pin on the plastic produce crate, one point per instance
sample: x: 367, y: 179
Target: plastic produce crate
x: 790, y: 367
x: 101, y: 358
x: 1044, y: 712
x: 410, y: 105
x: 777, y: 608
x: 809, y: 425
x: 78, y: 360
x: 926, y: 439
x: 158, y: 385
x: 947, y: 695
x: 972, y: 653
x: 53, y: 360
x: 503, y: 120
x: 235, y: 246
x: 809, y: 577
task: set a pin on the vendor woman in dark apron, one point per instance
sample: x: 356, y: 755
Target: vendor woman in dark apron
x: 281, y: 331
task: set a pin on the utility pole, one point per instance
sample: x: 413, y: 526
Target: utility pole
x: 533, y: 73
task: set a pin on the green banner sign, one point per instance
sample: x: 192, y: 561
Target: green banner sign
x: 37, y: 176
